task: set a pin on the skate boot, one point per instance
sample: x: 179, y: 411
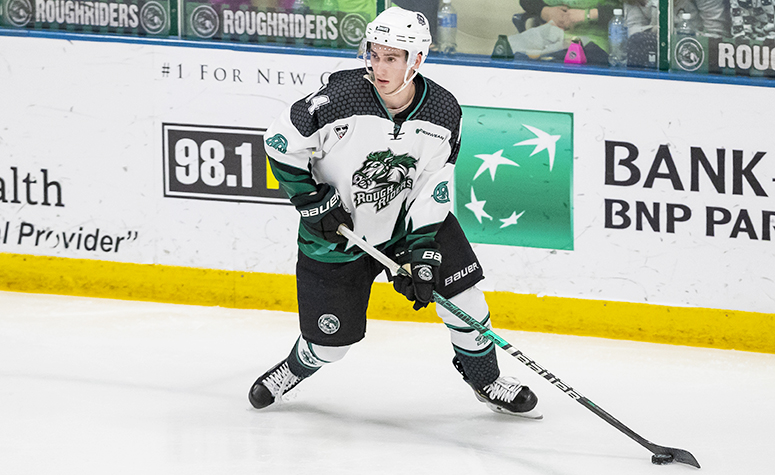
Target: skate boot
x: 505, y: 395
x: 272, y: 385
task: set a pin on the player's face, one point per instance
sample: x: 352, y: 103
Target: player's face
x: 389, y: 66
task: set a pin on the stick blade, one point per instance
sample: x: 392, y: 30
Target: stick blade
x: 665, y: 455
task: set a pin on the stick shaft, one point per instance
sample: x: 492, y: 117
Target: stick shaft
x: 679, y: 454
x: 370, y: 250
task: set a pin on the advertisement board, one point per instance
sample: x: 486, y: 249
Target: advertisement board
x: 515, y: 181
x: 671, y: 188
x: 613, y: 189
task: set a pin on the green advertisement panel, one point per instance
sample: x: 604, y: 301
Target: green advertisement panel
x: 122, y: 17
x: 514, y: 177
x: 250, y: 24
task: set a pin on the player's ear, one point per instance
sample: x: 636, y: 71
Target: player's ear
x: 417, y: 61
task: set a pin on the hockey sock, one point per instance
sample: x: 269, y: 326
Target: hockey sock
x: 474, y: 351
x: 481, y: 369
x: 306, y: 358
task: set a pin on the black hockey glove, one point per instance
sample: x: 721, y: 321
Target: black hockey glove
x: 322, y: 213
x: 424, y: 258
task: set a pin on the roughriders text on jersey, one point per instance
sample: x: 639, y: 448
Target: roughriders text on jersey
x: 384, y: 175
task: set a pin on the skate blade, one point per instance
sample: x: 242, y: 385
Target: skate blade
x: 533, y: 414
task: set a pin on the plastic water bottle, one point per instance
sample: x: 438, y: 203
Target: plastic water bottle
x: 685, y: 27
x: 446, y: 30
x: 617, y: 39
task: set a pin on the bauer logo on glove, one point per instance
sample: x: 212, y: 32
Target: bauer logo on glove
x: 323, y: 208
x: 322, y: 212
x: 431, y: 255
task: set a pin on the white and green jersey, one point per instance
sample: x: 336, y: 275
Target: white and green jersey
x: 393, y: 173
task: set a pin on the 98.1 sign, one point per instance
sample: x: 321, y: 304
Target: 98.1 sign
x: 218, y: 163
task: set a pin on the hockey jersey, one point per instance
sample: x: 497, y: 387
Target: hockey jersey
x: 393, y: 174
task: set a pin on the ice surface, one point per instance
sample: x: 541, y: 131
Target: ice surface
x: 93, y: 386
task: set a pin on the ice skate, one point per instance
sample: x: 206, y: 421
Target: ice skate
x: 505, y: 395
x: 272, y: 385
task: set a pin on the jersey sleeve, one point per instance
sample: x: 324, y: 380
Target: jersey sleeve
x: 291, y: 142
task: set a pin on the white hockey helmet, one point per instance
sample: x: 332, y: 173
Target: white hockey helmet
x: 401, y: 29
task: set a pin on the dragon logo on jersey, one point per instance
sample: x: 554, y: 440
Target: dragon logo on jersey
x: 278, y: 142
x: 383, y: 176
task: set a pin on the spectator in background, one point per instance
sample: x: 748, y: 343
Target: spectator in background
x: 587, y: 19
x: 709, y: 18
x: 753, y: 19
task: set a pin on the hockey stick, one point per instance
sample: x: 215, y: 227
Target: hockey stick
x: 662, y: 455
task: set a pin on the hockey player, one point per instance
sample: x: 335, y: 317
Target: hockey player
x: 374, y: 149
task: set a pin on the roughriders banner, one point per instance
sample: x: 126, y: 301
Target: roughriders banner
x: 248, y: 24
x: 128, y: 17
x: 738, y: 56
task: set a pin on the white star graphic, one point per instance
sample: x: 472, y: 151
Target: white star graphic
x: 511, y: 220
x: 543, y: 141
x: 490, y: 161
x: 477, y: 207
